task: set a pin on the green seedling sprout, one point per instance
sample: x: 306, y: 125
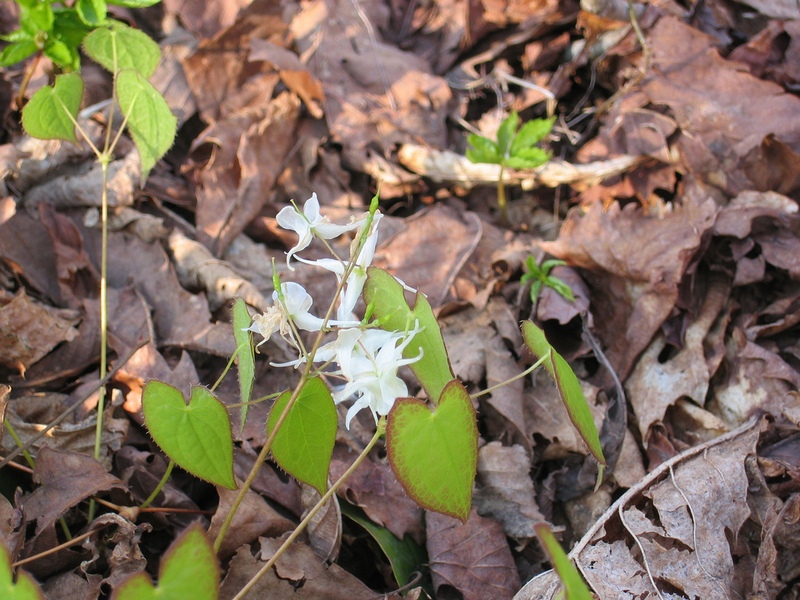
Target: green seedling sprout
x: 540, y: 276
x: 515, y: 148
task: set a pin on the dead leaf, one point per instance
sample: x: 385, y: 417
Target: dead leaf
x: 29, y: 414
x: 717, y: 105
x: 655, y: 384
x: 65, y: 479
x: 441, y: 231
x: 374, y: 488
x: 636, y: 262
x: 247, y: 151
x: 472, y: 558
x: 508, y: 400
x: 506, y: 491
x: 31, y: 330
x: 254, y: 518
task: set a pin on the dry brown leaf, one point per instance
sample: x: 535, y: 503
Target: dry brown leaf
x: 376, y: 95
x: 65, y: 479
x: 508, y: 400
x: 472, y: 558
x: 325, y: 528
x: 121, y: 549
x: 253, y: 518
x: 374, y: 488
x: 440, y: 231
x: 757, y: 379
x: 248, y: 149
x: 29, y: 414
x: 506, y: 489
x: 179, y: 318
x: 71, y: 586
x: 31, y: 330
x: 685, y: 545
x: 300, y: 564
x: 655, y: 384
x: 222, y: 77
x: 685, y: 517
x: 466, y: 350
x: 718, y: 106
x: 635, y: 262
x: 198, y: 269
x: 26, y: 250
x: 205, y: 18
x: 546, y: 416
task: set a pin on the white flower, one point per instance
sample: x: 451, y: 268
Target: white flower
x: 309, y: 223
x: 369, y: 360
x: 294, y: 307
x: 358, y: 275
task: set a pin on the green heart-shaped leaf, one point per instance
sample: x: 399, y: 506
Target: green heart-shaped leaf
x: 197, y: 436
x: 189, y: 569
x: 150, y: 121
x: 569, y: 388
x: 245, y: 356
x: 385, y: 295
x: 52, y: 112
x: 25, y: 587
x: 304, y: 443
x: 434, y: 454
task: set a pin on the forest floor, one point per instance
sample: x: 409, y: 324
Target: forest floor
x: 671, y: 196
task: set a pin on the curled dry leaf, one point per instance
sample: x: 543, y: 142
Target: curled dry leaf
x: 298, y: 574
x: 655, y: 384
x: 66, y: 478
x: 29, y: 414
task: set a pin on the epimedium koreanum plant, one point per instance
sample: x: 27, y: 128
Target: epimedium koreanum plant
x: 431, y: 444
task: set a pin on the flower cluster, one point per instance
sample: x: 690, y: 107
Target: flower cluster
x: 366, y: 358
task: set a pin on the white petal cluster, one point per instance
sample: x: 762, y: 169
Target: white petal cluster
x: 366, y: 358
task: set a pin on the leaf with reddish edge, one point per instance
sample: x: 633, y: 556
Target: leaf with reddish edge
x: 569, y: 388
x: 434, y: 453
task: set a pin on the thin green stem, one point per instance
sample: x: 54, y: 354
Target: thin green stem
x: 29, y: 459
x: 322, y: 502
x: 160, y: 485
x: 18, y: 442
x: 226, y: 369
x: 525, y: 373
